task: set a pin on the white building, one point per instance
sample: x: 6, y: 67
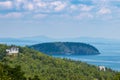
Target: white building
x: 102, y: 68
x: 12, y: 51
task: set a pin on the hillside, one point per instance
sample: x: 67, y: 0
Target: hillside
x: 70, y: 48
x: 38, y: 65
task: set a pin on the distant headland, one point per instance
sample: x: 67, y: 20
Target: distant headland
x: 67, y: 48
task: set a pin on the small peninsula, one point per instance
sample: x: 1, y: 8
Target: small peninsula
x: 67, y: 48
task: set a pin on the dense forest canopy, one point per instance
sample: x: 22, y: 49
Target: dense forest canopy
x: 38, y: 66
x: 70, y: 48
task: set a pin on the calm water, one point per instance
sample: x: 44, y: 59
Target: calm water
x: 109, y: 57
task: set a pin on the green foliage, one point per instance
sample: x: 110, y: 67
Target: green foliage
x: 117, y: 76
x: 66, y: 48
x: 8, y: 73
x: 38, y: 66
x: 3, y: 50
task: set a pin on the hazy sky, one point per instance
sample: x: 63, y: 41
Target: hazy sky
x: 60, y: 18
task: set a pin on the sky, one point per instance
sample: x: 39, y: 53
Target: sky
x: 60, y: 18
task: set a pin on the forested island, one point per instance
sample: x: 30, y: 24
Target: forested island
x: 69, y: 48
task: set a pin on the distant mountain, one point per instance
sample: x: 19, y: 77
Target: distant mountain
x: 39, y: 39
x: 77, y: 39
x: 12, y: 40
x: 15, y: 41
x: 42, y: 39
x: 70, y: 48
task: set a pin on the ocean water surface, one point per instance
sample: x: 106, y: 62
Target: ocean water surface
x: 109, y: 57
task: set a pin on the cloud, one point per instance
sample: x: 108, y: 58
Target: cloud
x: 79, y: 8
x: 84, y: 15
x: 103, y: 11
x: 30, y: 6
x: 19, y: 4
x: 73, y: 7
x: 85, y: 7
x: 6, y: 4
x: 58, y: 5
x: 41, y: 4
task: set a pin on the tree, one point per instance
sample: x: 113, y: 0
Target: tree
x: 8, y: 73
x: 117, y: 76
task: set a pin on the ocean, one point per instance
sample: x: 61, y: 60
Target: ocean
x: 109, y: 57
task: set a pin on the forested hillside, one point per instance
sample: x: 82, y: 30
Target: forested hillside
x: 38, y: 66
x: 70, y: 48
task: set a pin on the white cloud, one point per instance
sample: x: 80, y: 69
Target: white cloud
x: 73, y: 7
x: 41, y: 4
x: 85, y: 7
x: 58, y: 5
x: 30, y: 6
x: 36, y: 0
x: 24, y: 5
x: 37, y: 8
x: 104, y: 11
x: 6, y: 4
x: 18, y: 3
x: 84, y: 15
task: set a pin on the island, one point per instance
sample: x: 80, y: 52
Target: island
x: 66, y: 48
